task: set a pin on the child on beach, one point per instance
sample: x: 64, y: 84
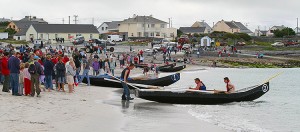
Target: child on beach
x: 21, y: 79
x: 96, y: 67
x: 27, y: 82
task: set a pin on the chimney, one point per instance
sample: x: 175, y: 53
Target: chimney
x: 34, y: 17
x: 151, y: 15
x: 134, y: 15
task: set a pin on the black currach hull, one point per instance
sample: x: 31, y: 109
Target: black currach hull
x: 163, y: 81
x: 208, y: 97
x: 172, y: 69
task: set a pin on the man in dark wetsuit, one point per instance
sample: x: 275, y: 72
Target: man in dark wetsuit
x: 124, y: 76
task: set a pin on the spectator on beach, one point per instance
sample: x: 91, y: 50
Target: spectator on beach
x: 61, y: 72
x: 48, y: 71
x: 21, y: 79
x: 27, y: 82
x: 106, y: 66
x: 5, y: 72
x: 96, y: 67
x: 70, y: 67
x: 112, y: 66
x: 85, y: 74
x: 14, y: 68
x: 35, y: 71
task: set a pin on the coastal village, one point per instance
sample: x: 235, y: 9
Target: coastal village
x: 142, y: 73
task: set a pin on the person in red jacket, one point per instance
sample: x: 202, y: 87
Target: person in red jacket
x: 5, y: 72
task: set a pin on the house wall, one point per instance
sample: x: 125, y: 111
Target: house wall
x: 104, y: 26
x: 31, y: 32
x: 158, y: 30
x: 19, y: 37
x: 13, y: 26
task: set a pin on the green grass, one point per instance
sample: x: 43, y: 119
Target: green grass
x: 12, y: 41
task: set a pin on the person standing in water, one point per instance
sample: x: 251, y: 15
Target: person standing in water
x: 124, y: 77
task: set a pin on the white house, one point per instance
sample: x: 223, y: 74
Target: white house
x: 103, y: 28
x: 66, y: 31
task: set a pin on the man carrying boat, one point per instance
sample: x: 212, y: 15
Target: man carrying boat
x: 200, y: 85
x: 124, y: 76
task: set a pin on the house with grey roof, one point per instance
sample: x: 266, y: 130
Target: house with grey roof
x: 203, y: 24
x: 4, y: 20
x: 272, y: 29
x: 231, y: 27
x: 33, y: 18
x: 147, y: 27
x: 109, y: 27
x: 192, y: 30
x: 66, y: 31
x: 259, y: 32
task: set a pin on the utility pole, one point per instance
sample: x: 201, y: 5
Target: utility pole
x: 169, y: 22
x: 75, y: 19
x: 297, y: 27
x: 63, y: 20
x: 69, y: 19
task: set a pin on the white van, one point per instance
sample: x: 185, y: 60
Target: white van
x: 114, y: 38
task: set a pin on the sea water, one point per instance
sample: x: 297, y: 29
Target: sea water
x: 277, y: 110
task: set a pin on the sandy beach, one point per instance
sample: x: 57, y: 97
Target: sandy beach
x: 92, y: 109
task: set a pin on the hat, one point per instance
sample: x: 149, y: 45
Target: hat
x: 36, y: 57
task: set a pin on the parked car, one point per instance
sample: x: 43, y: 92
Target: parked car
x: 240, y: 44
x: 277, y: 44
x: 186, y: 46
x: 78, y: 40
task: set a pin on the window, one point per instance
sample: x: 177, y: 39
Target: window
x: 152, y: 25
x: 102, y: 28
x: 69, y: 35
x: 14, y: 26
x: 56, y: 36
x: 157, y: 33
x: 146, y: 34
x: 41, y: 36
x: 131, y: 34
x: 171, y: 34
x: 105, y: 28
x: 91, y: 36
x: 139, y: 34
x: 151, y: 34
x: 162, y: 25
x: 148, y: 25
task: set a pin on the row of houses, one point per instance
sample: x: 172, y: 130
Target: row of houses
x: 31, y: 27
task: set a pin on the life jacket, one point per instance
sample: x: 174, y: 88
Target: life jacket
x: 202, y: 87
x: 123, y: 73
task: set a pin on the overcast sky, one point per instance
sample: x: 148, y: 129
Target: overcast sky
x: 254, y: 13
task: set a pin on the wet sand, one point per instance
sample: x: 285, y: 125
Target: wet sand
x: 93, y: 109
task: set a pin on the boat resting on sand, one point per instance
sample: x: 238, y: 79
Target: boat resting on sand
x: 202, y: 97
x: 108, y: 81
x: 172, y: 68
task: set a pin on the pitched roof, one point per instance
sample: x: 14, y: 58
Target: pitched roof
x: 243, y: 29
x: 142, y: 19
x: 22, y: 32
x: 192, y: 29
x: 65, y: 28
x: 231, y: 25
x: 114, y: 25
x: 33, y: 18
x: 201, y: 24
x: 24, y: 24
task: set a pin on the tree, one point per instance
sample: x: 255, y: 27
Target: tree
x: 179, y: 33
x: 231, y: 36
x: 196, y: 35
x: 10, y: 31
x: 284, y: 32
x: 244, y: 36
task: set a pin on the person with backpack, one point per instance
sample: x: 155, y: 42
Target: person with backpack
x: 14, y: 68
x: 61, y: 73
x: 35, y: 71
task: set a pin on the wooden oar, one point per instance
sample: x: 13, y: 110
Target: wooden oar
x: 138, y: 85
x: 276, y: 75
x: 123, y: 81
